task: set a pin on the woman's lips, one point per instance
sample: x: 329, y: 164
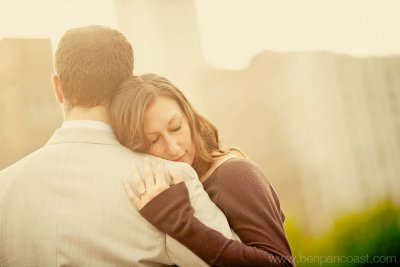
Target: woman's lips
x: 180, y: 158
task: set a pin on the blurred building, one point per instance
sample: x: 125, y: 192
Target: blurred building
x: 29, y: 113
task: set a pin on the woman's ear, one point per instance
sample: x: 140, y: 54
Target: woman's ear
x: 55, y: 80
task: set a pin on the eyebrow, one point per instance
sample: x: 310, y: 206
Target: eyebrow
x: 176, y: 116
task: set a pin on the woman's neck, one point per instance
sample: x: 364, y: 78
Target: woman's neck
x: 215, y: 164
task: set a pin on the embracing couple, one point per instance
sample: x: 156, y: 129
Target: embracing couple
x: 134, y: 176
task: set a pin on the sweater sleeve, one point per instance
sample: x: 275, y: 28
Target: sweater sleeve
x: 172, y: 213
x: 252, y: 208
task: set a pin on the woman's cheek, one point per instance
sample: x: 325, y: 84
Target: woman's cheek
x: 154, y: 150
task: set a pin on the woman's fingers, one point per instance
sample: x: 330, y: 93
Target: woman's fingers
x: 141, y: 188
x: 152, y: 186
x: 160, y: 177
x: 148, y: 174
x: 176, y: 176
x: 132, y: 197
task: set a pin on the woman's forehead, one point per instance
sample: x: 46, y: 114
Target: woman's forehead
x: 161, y: 112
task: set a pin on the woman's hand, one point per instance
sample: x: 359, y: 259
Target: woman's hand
x: 152, y: 186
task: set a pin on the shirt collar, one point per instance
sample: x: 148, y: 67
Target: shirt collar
x: 89, y: 124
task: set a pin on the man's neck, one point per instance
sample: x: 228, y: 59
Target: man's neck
x: 97, y: 113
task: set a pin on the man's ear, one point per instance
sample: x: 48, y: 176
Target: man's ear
x: 55, y: 80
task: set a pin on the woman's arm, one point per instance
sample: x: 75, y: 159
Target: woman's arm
x: 251, y: 206
x: 170, y: 211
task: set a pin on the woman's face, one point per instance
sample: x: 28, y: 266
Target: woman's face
x: 168, y: 131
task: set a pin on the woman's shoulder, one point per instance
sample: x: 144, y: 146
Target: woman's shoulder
x: 238, y: 164
x: 238, y: 170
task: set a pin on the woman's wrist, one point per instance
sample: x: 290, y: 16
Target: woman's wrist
x: 169, y: 210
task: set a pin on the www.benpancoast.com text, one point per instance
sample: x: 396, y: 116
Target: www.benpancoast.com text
x: 339, y: 259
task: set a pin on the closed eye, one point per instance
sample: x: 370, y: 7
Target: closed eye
x: 176, y: 129
x: 175, y: 126
x: 154, y: 140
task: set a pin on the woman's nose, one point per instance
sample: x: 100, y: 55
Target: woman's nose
x: 172, y: 146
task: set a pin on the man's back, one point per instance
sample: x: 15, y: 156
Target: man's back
x: 64, y: 205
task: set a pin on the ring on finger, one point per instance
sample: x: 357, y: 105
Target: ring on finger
x: 142, y: 192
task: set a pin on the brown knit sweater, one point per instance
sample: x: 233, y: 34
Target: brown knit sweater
x: 242, y: 192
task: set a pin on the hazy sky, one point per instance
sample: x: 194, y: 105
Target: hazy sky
x: 50, y: 18
x: 233, y: 31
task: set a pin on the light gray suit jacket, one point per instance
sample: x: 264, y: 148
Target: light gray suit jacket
x: 64, y: 205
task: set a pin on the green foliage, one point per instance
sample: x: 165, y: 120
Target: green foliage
x: 360, y: 239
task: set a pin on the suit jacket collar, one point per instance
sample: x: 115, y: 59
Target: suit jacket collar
x: 83, y: 135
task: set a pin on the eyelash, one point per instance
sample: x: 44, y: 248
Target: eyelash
x: 177, y: 128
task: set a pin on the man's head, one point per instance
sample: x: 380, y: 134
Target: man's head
x: 90, y: 63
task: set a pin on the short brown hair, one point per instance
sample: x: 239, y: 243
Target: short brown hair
x: 91, y: 62
x: 127, y: 118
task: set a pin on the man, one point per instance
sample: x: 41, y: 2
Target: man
x: 65, y: 205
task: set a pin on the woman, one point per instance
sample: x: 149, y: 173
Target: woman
x: 149, y: 114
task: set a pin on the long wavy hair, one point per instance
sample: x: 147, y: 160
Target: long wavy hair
x: 127, y: 118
